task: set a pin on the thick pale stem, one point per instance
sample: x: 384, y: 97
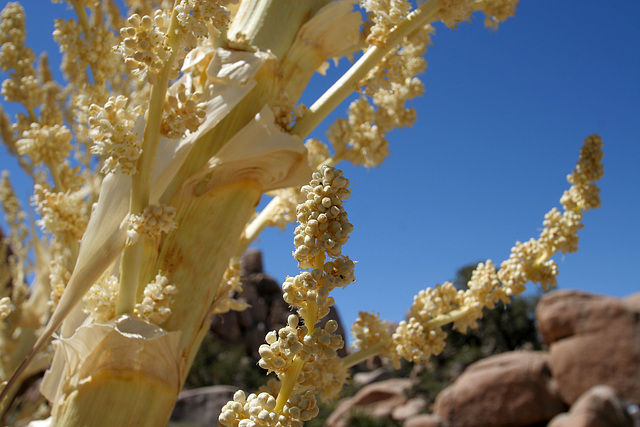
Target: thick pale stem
x: 142, y: 181
x: 128, y: 287
x: 348, y: 83
x: 132, y: 257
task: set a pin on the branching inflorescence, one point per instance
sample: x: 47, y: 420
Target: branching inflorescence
x: 422, y: 336
x: 147, y: 167
x: 304, y: 358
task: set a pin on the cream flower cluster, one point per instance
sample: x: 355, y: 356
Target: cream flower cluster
x: 155, y: 306
x: 317, y: 153
x: 101, y: 299
x: 453, y: 12
x: 87, y: 49
x: 496, y: 11
x: 323, y: 223
x: 154, y: 220
x: 422, y: 335
x: 229, y: 287
x: 200, y: 19
x: 59, y: 276
x: 14, y: 214
x: 369, y: 331
x: 144, y: 44
x: 281, y: 347
x: 259, y: 410
x: 12, y: 35
x: 111, y: 128
x: 384, y: 14
x: 5, y: 308
x: 182, y: 112
x: 50, y: 145
x: 22, y: 85
x: 583, y: 194
x: 361, y: 138
x: 60, y: 212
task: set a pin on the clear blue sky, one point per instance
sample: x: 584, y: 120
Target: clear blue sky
x: 500, y: 126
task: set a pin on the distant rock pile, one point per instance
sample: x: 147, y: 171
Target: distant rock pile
x: 589, y: 377
x: 267, y: 310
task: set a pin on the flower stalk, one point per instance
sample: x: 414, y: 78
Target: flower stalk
x: 350, y: 81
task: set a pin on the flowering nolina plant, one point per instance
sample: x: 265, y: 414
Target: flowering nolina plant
x: 174, y: 120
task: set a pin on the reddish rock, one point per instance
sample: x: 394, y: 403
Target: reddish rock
x: 368, y: 377
x: 425, y: 420
x: 593, y: 340
x: 610, y: 357
x: 410, y: 408
x: 601, y: 406
x: 509, y: 389
x: 633, y: 300
x: 377, y: 399
x: 561, y: 314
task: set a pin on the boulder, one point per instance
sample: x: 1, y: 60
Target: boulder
x: 424, y: 420
x: 410, y: 408
x: 509, y: 389
x: 368, y: 377
x: 633, y: 300
x: 377, y: 399
x: 561, y: 314
x: 600, y: 406
x: 593, y: 340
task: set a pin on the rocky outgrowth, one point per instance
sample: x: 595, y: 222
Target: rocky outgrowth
x: 381, y: 399
x: 592, y: 340
x: 589, y: 377
x: 424, y: 420
x: 509, y: 389
x: 600, y: 406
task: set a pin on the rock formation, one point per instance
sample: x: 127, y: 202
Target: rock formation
x: 589, y: 377
x: 510, y: 389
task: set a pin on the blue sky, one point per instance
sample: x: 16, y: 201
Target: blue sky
x: 499, y: 128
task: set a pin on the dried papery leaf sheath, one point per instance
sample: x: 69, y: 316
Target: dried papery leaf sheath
x: 101, y: 360
x: 106, y: 231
